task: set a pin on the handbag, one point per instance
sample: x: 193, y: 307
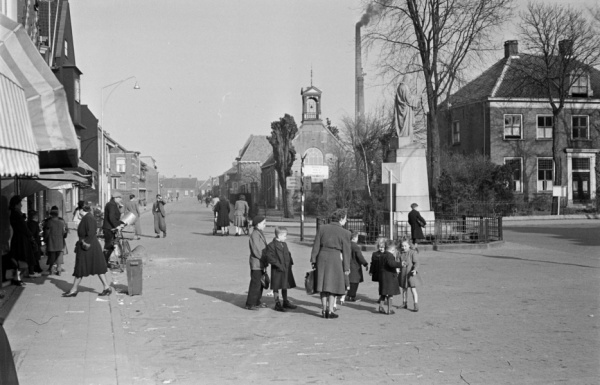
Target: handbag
x: 421, y: 222
x: 265, y: 281
x: 84, y: 245
x: 310, y: 282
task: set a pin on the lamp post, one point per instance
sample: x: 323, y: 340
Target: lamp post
x: 102, y: 176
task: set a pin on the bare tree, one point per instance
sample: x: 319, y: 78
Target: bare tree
x: 282, y: 134
x: 436, y: 40
x: 564, y: 45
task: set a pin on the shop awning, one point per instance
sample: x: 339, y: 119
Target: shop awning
x: 18, y: 151
x: 53, y: 130
x: 28, y: 186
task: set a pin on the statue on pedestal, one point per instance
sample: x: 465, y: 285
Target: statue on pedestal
x: 404, y: 117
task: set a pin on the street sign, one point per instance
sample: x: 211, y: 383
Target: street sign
x: 316, y: 171
x: 292, y: 183
x: 395, y: 168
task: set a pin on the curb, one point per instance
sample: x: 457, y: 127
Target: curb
x: 123, y: 368
x: 551, y: 217
x: 445, y: 247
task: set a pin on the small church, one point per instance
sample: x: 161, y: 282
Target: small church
x: 313, y: 140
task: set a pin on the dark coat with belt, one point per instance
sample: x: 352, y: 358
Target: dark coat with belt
x: 356, y: 263
x: 388, y: 277
x: 21, y: 243
x: 112, y: 215
x: 331, y: 253
x: 222, y: 210
x: 90, y: 261
x: 415, y: 228
x: 55, y: 232
x: 279, y: 257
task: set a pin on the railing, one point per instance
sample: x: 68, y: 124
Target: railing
x: 445, y: 229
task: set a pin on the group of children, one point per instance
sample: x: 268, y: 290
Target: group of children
x: 395, y: 271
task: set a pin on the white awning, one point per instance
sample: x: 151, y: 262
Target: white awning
x: 18, y: 151
x: 53, y: 130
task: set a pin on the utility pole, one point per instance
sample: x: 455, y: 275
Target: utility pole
x: 302, y: 197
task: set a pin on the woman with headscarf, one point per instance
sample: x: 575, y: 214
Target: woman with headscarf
x: 222, y: 210
x: 330, y: 256
x: 21, y: 243
x: 78, y: 213
x: 258, y: 243
x: 55, y: 232
x: 240, y: 213
x: 89, y: 257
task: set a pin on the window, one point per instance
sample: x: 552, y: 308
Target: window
x: 580, y: 164
x: 114, y: 183
x: 186, y: 192
x: 544, y: 127
x: 121, y: 165
x: 513, y: 125
x: 580, y: 127
x: 580, y: 84
x: 314, y: 156
x: 77, y: 90
x: 516, y: 165
x: 455, y: 132
x: 66, y: 48
x: 545, y: 174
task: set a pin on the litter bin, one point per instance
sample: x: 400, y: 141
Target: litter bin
x: 134, y: 276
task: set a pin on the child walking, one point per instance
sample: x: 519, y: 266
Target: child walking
x: 356, y: 263
x: 408, y: 275
x: 279, y: 257
x: 388, y: 277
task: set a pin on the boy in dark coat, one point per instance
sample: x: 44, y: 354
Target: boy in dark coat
x: 278, y: 256
x: 388, y: 277
x: 356, y: 262
x: 376, y: 257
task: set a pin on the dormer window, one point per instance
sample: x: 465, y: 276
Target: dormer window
x: 580, y: 84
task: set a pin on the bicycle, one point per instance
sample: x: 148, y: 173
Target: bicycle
x: 121, y: 251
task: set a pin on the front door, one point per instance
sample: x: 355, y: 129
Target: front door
x: 581, y: 187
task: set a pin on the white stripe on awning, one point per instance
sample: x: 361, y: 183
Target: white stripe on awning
x: 18, y: 151
x: 46, y: 98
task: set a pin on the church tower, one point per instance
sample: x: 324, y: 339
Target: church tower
x: 311, y: 103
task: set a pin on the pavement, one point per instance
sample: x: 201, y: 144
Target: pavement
x: 512, y: 314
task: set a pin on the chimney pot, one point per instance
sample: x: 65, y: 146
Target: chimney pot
x: 511, y: 48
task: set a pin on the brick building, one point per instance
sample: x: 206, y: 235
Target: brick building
x: 500, y: 116
x: 179, y: 187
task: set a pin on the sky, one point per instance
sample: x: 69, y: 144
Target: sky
x: 213, y: 72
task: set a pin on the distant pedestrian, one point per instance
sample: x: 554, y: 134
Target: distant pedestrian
x: 55, y: 233
x: 257, y: 244
x: 89, y: 258
x: 132, y: 206
x: 21, y: 243
x: 356, y: 263
x: 416, y: 221
x: 177, y: 196
x: 222, y: 211
x: 78, y: 213
x: 388, y: 277
x: 34, y: 227
x: 207, y: 201
x: 376, y: 258
x: 240, y: 214
x: 408, y: 275
x: 279, y: 257
x: 112, y: 221
x: 159, y: 212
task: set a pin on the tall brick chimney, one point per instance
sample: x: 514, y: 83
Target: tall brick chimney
x: 359, y: 78
x: 511, y: 48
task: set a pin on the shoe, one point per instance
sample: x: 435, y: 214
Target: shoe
x: 326, y: 314
x: 251, y: 308
x: 137, y: 239
x: 69, y: 295
x: 333, y: 315
x: 404, y: 306
x: 334, y: 309
x: 390, y: 312
x: 416, y: 307
x: 279, y: 307
x: 382, y: 310
x: 58, y: 271
x: 105, y: 292
x: 164, y: 235
x: 353, y: 299
x: 157, y: 236
x: 289, y: 305
x: 237, y: 235
x: 263, y: 305
x: 17, y: 282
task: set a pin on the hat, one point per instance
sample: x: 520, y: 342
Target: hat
x: 257, y: 219
x: 414, y: 205
x: 117, y: 194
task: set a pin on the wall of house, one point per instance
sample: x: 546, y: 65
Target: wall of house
x: 474, y: 128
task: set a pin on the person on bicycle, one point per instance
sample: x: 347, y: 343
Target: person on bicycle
x: 112, y: 216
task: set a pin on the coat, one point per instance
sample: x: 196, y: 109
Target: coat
x: 331, y: 253
x: 112, y: 215
x: 374, y: 268
x: 279, y: 257
x: 34, y: 228
x: 388, y: 277
x: 240, y: 212
x: 133, y: 206
x: 222, y: 210
x: 55, y: 232
x: 257, y: 244
x: 356, y: 263
x: 405, y: 279
x: 158, y: 210
x: 90, y: 261
x: 21, y: 243
x: 415, y: 228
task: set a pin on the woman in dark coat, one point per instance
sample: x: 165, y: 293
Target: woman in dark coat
x: 357, y: 261
x: 222, y: 210
x: 89, y: 257
x: 21, y: 243
x: 330, y: 256
x: 416, y: 221
x: 388, y: 277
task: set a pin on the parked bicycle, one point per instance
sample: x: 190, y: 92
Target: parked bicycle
x: 121, y: 251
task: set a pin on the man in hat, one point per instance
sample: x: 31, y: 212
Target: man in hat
x: 112, y: 216
x: 158, y: 210
x: 416, y: 221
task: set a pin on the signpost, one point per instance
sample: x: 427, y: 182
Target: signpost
x: 390, y: 174
x: 292, y: 183
x: 316, y: 171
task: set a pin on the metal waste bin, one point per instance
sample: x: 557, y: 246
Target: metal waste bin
x: 134, y: 276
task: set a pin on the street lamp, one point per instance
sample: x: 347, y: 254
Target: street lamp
x: 102, y: 176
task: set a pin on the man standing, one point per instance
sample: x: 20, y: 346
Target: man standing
x: 133, y: 207
x: 158, y: 210
x: 112, y: 216
x: 416, y: 221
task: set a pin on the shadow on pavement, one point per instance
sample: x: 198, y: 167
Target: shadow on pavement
x: 537, y: 260
x: 582, y: 236
x: 354, y: 305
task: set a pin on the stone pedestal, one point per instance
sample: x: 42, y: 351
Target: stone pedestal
x: 412, y: 184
